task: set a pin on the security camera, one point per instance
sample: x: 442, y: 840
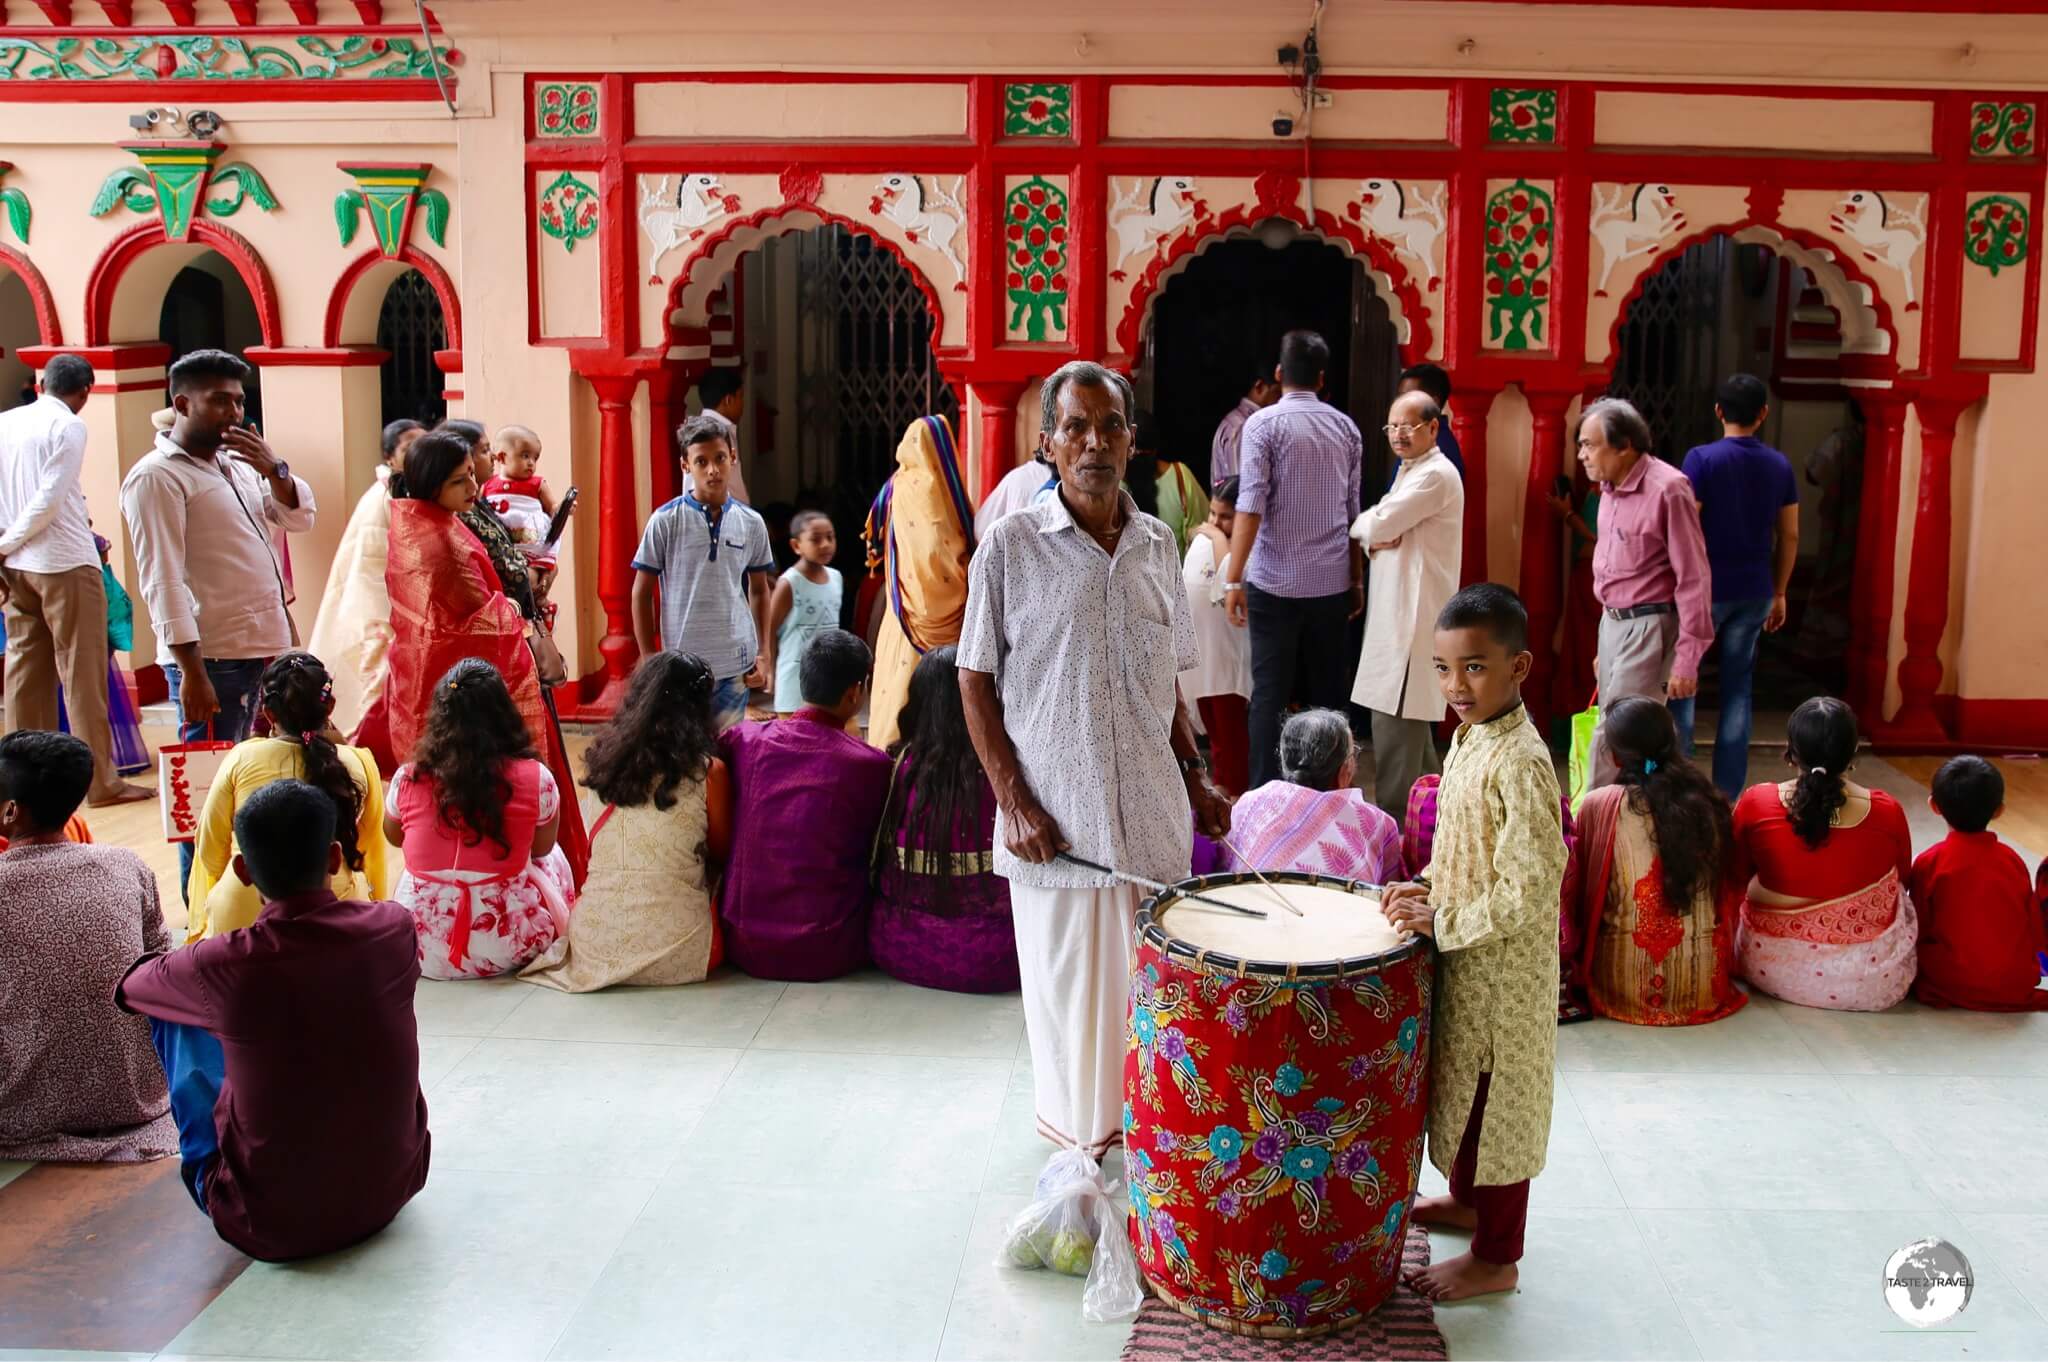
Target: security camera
x: 203, y: 123
x: 1283, y: 126
x: 145, y: 120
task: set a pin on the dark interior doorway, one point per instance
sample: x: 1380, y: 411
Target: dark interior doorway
x: 208, y: 307
x: 1723, y: 307
x: 1220, y: 320
x: 410, y: 328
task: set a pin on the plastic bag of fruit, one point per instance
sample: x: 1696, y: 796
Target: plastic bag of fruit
x: 1075, y: 1225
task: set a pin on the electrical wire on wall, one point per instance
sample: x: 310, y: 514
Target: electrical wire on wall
x: 1305, y: 65
x: 434, y: 58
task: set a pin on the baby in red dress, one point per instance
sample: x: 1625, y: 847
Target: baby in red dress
x: 520, y: 496
x: 1982, y: 933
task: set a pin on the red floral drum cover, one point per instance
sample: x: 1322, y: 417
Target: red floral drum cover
x: 1273, y: 1125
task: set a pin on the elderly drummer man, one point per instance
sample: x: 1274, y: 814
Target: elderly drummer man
x: 1077, y: 624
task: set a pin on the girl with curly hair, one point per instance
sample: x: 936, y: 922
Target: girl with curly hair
x: 659, y: 808
x: 477, y: 815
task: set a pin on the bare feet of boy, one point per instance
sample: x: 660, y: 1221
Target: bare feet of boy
x: 1464, y: 1276
x: 123, y: 794
x: 1444, y: 1214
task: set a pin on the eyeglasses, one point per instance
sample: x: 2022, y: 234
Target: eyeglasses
x: 1406, y: 430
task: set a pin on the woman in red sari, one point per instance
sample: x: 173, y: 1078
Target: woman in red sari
x: 446, y: 605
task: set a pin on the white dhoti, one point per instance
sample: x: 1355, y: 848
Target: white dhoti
x: 1074, y: 956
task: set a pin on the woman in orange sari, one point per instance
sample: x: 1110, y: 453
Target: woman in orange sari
x: 446, y: 605
x: 920, y: 532
x: 1652, y: 934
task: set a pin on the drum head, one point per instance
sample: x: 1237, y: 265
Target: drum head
x: 1340, y: 920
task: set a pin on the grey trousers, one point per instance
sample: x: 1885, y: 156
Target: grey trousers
x: 1403, y: 751
x: 1635, y: 659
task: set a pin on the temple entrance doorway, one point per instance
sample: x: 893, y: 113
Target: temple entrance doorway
x: 833, y: 338
x: 1724, y: 306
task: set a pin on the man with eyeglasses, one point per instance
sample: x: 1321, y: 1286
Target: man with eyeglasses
x: 1295, y: 577
x: 1414, y: 537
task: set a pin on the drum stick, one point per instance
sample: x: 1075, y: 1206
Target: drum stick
x: 1156, y: 887
x: 1232, y: 849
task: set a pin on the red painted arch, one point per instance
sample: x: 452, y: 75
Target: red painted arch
x: 124, y: 250
x: 1277, y: 199
x: 1889, y: 362
x: 766, y: 216
x: 437, y: 277
x: 47, y: 325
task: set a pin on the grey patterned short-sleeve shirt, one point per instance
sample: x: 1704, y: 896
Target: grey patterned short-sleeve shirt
x: 1085, y: 648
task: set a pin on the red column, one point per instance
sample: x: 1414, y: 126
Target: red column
x: 1927, y: 575
x: 998, y: 432
x: 1468, y: 422
x: 664, y: 390
x: 618, y: 530
x: 1877, y: 535
x: 1542, y: 552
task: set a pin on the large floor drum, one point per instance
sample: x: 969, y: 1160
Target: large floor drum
x: 1275, y: 1093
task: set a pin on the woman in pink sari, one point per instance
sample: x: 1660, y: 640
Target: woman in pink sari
x: 1313, y: 819
x: 1827, y: 921
x: 487, y: 886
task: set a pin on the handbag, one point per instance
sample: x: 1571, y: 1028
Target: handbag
x: 1579, y: 771
x: 120, y: 612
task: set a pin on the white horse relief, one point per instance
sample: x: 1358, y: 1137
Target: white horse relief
x: 1888, y: 233
x: 674, y: 209
x: 1145, y: 215
x: 1626, y: 228
x: 928, y: 219
x: 1406, y: 221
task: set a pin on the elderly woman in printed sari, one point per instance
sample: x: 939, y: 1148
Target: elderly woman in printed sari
x: 920, y: 533
x: 1313, y: 818
x: 1655, y: 910
x: 1826, y: 922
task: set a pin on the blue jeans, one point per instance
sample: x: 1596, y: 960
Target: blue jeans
x: 728, y: 703
x: 194, y: 1068
x: 234, y: 683
x: 1738, y: 625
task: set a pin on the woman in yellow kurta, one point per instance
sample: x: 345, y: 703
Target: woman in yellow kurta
x: 1490, y: 898
x: 920, y: 532
x: 297, y: 697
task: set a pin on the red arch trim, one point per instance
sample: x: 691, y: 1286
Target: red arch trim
x: 767, y: 215
x: 1810, y: 240
x: 437, y: 278
x: 124, y: 250
x: 1332, y: 228
x: 47, y: 325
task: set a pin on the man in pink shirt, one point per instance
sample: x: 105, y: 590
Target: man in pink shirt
x: 1650, y: 569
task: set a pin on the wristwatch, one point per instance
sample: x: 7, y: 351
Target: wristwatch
x: 1189, y: 765
x: 1233, y: 586
x: 281, y: 473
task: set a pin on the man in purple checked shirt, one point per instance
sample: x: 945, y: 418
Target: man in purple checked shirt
x: 1295, y: 577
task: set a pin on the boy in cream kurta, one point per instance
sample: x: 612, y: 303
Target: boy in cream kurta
x: 1490, y: 898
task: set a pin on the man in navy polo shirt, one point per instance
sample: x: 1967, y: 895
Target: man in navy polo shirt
x: 1749, y: 511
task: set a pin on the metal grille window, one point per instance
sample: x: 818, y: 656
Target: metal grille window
x: 1667, y: 356
x: 864, y: 360
x: 410, y: 326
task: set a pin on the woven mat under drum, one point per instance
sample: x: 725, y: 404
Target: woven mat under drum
x: 1402, y: 1330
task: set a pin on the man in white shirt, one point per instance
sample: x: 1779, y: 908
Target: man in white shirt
x: 1414, y: 537
x: 1027, y: 484
x: 1224, y: 461
x: 56, y: 600
x: 201, y: 510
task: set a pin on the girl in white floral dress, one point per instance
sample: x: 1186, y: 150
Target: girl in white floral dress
x: 476, y: 814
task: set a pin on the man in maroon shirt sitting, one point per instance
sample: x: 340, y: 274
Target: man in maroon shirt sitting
x: 291, y: 1046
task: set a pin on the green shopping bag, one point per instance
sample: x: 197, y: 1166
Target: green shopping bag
x: 1580, y: 768
x: 120, y: 613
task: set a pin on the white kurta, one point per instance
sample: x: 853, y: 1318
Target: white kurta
x: 352, y: 632
x: 1020, y: 487
x: 1408, y: 585
x: 1226, y: 667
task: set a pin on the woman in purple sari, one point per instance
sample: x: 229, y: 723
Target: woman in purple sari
x: 1313, y: 818
x: 942, y: 914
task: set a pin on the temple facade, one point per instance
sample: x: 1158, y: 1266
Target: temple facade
x: 567, y: 218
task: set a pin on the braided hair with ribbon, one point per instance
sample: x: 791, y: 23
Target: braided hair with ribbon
x: 297, y: 694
